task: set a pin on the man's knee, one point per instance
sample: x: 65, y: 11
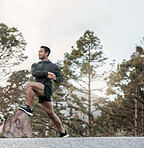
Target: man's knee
x: 29, y: 85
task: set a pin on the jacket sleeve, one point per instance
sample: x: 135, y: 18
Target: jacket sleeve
x: 59, y: 77
x: 37, y: 73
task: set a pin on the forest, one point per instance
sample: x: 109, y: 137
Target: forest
x: 82, y: 111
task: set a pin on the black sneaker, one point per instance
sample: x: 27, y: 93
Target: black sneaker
x: 64, y: 135
x: 27, y: 110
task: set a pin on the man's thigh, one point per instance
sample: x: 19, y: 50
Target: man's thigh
x: 37, y: 87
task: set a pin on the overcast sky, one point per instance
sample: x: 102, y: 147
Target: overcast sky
x: 60, y: 23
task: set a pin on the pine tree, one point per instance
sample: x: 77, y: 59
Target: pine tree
x: 13, y: 94
x: 128, y: 83
x: 81, y: 69
x: 12, y: 46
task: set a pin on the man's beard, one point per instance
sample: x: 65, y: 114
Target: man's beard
x: 43, y: 57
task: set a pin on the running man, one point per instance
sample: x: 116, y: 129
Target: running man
x: 44, y: 71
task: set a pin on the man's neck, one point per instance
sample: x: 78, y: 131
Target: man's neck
x: 45, y: 59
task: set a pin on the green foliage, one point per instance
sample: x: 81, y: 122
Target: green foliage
x: 112, y: 120
x: 80, y: 69
x: 24, y: 136
x: 12, y: 46
x: 86, y: 58
x: 72, y: 99
x: 1, y: 135
x: 127, y: 85
x: 13, y: 94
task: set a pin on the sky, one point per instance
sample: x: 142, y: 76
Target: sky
x: 58, y: 24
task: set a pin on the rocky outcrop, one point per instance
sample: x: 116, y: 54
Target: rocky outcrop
x: 17, y: 127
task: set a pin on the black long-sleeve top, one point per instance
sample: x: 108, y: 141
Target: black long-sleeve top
x: 40, y: 72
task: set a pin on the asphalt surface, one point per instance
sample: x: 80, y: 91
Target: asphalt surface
x: 90, y: 142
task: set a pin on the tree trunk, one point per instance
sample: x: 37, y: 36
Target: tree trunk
x: 18, y: 127
x: 142, y: 124
x: 135, y: 119
x: 89, y: 108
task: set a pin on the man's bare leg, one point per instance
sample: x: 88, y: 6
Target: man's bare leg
x: 32, y: 87
x: 38, y: 88
x: 48, y: 108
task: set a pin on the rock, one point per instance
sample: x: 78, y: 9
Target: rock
x: 17, y: 127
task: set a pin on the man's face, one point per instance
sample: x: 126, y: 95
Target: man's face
x: 42, y: 54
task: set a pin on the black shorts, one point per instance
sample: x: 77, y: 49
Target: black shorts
x: 48, y: 93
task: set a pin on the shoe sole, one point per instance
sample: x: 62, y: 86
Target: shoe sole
x: 28, y: 113
x: 66, y: 136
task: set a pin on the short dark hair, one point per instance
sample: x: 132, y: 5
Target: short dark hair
x: 47, y: 49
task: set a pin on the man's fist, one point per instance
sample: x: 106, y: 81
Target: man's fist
x: 51, y: 75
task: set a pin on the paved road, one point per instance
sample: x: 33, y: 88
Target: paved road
x: 91, y: 142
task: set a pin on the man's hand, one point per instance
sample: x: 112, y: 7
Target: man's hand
x: 51, y: 75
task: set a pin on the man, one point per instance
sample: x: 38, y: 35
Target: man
x: 44, y: 71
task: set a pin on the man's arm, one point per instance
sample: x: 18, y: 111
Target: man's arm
x: 37, y: 73
x: 59, y: 77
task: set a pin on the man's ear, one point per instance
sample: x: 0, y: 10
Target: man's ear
x: 47, y: 54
